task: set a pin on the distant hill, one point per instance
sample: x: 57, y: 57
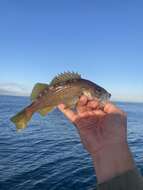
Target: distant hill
x: 13, y: 89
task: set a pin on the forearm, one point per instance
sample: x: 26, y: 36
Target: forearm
x: 115, y: 169
x: 130, y: 180
x: 112, y: 161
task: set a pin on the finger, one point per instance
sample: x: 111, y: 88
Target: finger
x: 86, y: 114
x: 81, y: 109
x: 68, y: 112
x: 99, y: 113
x: 93, y: 104
x: 82, y: 101
x: 94, y: 113
x: 111, y: 108
x: 81, y: 105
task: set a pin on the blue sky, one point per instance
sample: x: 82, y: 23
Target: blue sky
x: 102, y: 40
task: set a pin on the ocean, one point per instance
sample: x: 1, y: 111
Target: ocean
x: 48, y: 154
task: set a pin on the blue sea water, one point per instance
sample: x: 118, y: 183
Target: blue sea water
x: 48, y: 154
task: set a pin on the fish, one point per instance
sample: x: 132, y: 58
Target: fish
x: 65, y: 88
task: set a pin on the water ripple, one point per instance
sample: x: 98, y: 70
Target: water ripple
x: 48, y: 154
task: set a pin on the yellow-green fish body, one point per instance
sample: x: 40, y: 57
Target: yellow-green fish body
x: 65, y: 88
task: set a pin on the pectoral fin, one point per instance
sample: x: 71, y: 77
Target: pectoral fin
x: 87, y: 93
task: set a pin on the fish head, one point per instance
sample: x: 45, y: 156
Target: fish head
x: 105, y: 97
x: 95, y: 91
x: 101, y: 94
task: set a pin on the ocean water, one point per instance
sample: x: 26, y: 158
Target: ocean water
x: 48, y: 154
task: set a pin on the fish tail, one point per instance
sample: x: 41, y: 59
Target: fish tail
x: 21, y: 119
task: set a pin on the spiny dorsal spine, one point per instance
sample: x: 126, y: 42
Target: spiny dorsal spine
x: 64, y: 77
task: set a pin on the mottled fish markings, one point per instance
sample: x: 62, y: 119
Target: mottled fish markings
x: 65, y: 88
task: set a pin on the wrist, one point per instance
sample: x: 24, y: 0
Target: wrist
x: 112, y: 160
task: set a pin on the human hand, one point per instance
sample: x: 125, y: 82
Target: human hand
x: 103, y: 132
x: 98, y: 128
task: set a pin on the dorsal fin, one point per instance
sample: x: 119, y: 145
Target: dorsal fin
x: 38, y: 88
x: 63, y: 77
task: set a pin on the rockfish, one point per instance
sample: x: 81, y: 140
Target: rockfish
x: 64, y: 88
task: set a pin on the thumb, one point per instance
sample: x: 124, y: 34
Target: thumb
x: 67, y: 112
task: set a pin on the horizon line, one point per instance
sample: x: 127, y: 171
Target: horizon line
x: 112, y: 100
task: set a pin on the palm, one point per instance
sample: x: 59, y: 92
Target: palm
x: 98, y: 128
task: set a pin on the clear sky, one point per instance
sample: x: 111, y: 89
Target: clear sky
x: 101, y: 39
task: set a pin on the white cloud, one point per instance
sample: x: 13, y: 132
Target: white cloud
x: 14, y: 89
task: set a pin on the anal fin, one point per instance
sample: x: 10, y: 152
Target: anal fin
x: 45, y: 110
